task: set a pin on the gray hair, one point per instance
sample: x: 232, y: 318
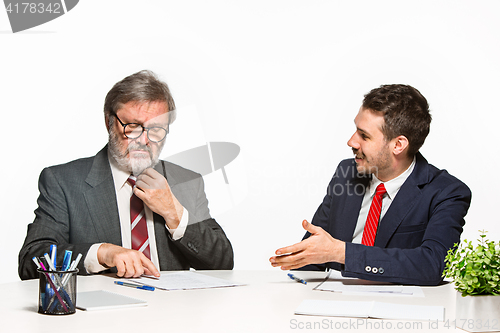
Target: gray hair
x: 143, y: 86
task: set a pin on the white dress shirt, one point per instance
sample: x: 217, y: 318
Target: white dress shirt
x: 392, y: 186
x: 123, y: 191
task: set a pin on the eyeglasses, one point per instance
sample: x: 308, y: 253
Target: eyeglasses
x: 134, y: 130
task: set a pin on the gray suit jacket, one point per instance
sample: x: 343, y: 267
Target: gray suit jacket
x: 77, y: 208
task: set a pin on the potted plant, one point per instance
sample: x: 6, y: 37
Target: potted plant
x: 476, y: 274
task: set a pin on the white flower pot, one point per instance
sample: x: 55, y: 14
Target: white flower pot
x: 478, y: 313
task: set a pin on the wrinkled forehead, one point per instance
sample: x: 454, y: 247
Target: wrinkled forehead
x: 147, y: 113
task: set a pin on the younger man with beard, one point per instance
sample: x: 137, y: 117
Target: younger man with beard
x: 388, y: 215
x: 122, y: 209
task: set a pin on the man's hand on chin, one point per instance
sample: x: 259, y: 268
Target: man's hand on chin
x: 319, y: 248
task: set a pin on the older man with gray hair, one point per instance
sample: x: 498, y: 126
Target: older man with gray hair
x: 124, y: 209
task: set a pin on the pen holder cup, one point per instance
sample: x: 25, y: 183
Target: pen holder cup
x: 57, y: 292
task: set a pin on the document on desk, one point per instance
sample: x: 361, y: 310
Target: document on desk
x: 350, y: 287
x: 184, y: 280
x: 102, y: 300
x: 372, y: 309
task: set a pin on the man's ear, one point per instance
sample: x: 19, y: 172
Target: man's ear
x: 400, y: 145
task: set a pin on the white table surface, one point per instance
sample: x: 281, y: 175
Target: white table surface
x: 266, y: 303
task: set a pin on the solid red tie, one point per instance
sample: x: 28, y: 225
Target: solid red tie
x: 371, y: 225
x: 139, y: 228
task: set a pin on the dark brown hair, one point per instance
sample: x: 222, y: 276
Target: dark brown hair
x: 405, y: 112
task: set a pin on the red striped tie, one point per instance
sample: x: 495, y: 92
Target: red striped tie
x: 140, y: 240
x: 371, y: 225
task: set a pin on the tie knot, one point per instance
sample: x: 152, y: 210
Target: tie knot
x: 131, y: 181
x: 380, y: 190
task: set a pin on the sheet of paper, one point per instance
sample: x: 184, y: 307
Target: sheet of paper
x: 372, y: 309
x: 184, y: 280
x: 103, y: 300
x: 352, y: 288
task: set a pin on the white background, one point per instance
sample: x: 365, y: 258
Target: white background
x: 282, y: 79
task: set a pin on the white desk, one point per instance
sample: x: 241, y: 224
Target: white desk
x: 266, y: 303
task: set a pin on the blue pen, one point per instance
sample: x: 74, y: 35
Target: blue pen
x: 136, y: 286
x: 53, y: 254
x: 66, y: 260
x: 293, y: 277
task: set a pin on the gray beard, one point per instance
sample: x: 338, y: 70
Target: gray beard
x: 134, y: 166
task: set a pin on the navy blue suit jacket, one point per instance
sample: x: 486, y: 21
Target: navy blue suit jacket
x: 424, y: 220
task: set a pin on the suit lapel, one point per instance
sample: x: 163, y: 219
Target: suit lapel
x: 407, y: 197
x: 101, y: 200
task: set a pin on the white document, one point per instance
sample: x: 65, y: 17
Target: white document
x: 335, y: 282
x: 184, y: 280
x: 102, y: 300
x: 370, y: 310
x: 352, y: 288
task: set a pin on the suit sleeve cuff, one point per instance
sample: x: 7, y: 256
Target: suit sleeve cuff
x: 91, y: 262
x: 178, y: 233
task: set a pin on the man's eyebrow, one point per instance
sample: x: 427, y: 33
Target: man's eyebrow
x: 363, y: 131
x: 153, y: 124
x: 150, y: 123
x: 156, y: 123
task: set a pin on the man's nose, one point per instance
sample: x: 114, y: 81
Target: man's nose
x: 353, y: 143
x: 143, y: 138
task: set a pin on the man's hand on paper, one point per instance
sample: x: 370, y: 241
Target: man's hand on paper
x: 129, y: 263
x: 319, y: 248
x: 153, y: 189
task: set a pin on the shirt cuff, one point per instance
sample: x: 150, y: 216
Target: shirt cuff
x: 178, y: 233
x: 91, y: 262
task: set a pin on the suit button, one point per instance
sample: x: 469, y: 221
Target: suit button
x: 381, y: 270
x: 368, y: 269
x: 374, y: 270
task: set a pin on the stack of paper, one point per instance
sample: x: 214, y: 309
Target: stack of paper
x: 369, y: 310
